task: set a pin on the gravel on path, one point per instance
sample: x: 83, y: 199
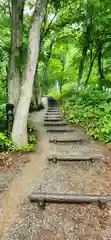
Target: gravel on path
x: 64, y: 221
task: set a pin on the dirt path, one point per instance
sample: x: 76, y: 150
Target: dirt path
x: 23, y: 220
x: 25, y: 183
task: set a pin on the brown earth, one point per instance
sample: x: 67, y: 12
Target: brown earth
x: 22, y: 220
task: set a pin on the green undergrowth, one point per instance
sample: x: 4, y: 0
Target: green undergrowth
x: 91, y: 108
x: 7, y: 145
x: 67, y: 91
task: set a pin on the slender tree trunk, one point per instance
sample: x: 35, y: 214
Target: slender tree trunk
x: 81, y: 68
x: 61, y: 80
x: 92, y: 59
x: 100, y: 68
x: 85, y: 48
x: 46, y: 66
x: 20, y: 137
x: 14, y: 75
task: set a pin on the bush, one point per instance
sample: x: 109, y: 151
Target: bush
x: 90, y: 107
x: 2, y: 111
x: 67, y: 91
x: 7, y: 145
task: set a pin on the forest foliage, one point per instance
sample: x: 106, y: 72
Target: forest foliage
x: 75, y: 50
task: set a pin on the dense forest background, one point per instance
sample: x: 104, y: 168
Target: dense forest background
x: 44, y: 42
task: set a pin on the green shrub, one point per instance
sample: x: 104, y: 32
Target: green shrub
x: 2, y: 111
x: 7, y: 145
x: 90, y: 107
x: 67, y: 90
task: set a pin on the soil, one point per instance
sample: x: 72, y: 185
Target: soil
x: 22, y: 220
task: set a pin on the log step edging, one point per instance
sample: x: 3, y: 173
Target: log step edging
x: 54, y: 140
x: 53, y: 119
x: 55, y: 124
x: 56, y: 159
x: 60, y: 130
x: 50, y: 113
x: 64, y: 198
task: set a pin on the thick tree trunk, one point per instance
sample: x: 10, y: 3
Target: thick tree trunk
x: 14, y: 76
x: 92, y: 59
x: 20, y: 137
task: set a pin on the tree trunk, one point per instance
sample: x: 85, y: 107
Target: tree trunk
x: 46, y: 66
x: 20, y: 137
x: 35, y: 93
x: 85, y: 48
x: 90, y: 67
x: 14, y: 75
x: 81, y: 68
x: 34, y: 99
x: 102, y: 77
x: 61, y: 80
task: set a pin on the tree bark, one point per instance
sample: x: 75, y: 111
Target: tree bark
x: 34, y: 99
x: 14, y: 75
x: 46, y: 64
x: 92, y: 59
x: 85, y: 48
x: 20, y: 137
x: 81, y: 68
x: 102, y: 77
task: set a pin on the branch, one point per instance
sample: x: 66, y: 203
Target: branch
x: 9, y: 7
x: 48, y: 28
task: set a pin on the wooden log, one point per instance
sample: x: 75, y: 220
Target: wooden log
x: 52, y: 116
x: 52, y: 110
x: 60, y: 130
x: 55, y: 123
x: 55, y: 108
x: 50, y: 113
x: 65, y: 198
x: 56, y: 159
x: 66, y: 140
x: 53, y: 119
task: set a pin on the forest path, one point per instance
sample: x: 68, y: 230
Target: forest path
x: 25, y: 182
x: 24, y: 220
